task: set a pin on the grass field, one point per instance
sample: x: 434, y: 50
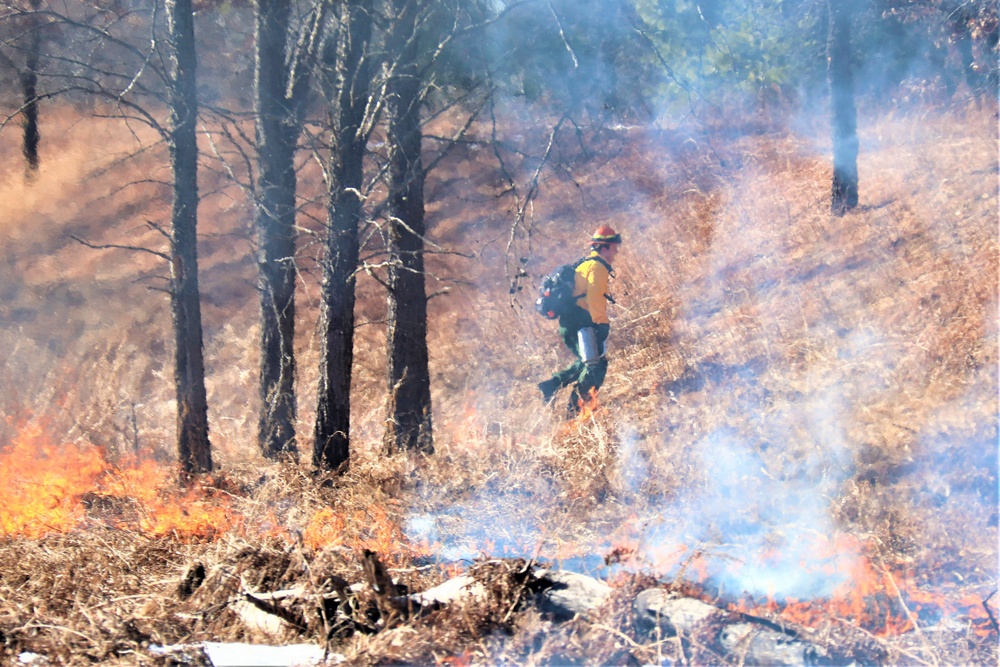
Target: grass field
x: 800, y: 416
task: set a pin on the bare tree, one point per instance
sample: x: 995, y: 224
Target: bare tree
x: 193, y: 447
x: 965, y: 18
x: 352, y: 112
x: 425, y: 70
x: 125, y: 56
x: 409, y: 424
x: 843, y: 113
x: 282, y: 79
x: 29, y: 89
x: 399, y: 79
x: 29, y: 26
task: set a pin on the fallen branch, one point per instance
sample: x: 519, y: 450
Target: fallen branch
x: 286, y: 615
x: 392, y: 606
x: 625, y: 638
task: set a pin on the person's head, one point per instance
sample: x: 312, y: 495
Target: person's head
x: 606, y: 242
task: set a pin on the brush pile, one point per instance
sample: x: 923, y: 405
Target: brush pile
x: 120, y: 599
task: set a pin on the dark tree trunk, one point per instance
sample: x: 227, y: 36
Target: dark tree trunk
x: 409, y: 419
x: 348, y: 96
x: 29, y: 89
x: 990, y: 42
x: 277, y: 135
x: 961, y: 19
x: 193, y: 447
x: 963, y: 42
x: 843, y: 113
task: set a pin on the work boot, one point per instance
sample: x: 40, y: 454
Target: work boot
x: 549, y: 388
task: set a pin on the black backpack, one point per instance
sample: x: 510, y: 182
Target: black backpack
x: 556, y: 292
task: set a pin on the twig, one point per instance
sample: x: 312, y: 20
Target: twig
x: 676, y: 639
x: 886, y: 646
x: 631, y: 642
x: 297, y: 592
x: 989, y: 612
x: 115, y: 246
x: 524, y: 584
x: 47, y: 626
x: 640, y: 318
x: 105, y: 603
x: 562, y: 34
x: 421, y: 568
x: 909, y: 615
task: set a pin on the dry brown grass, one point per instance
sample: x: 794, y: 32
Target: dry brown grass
x: 779, y: 377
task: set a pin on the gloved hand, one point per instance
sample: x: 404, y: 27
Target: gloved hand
x: 602, y: 332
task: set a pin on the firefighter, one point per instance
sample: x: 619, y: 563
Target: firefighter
x: 589, y: 315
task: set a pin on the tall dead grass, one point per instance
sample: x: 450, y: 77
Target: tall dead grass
x: 771, y: 366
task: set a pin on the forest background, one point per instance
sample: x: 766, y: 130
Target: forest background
x: 375, y: 188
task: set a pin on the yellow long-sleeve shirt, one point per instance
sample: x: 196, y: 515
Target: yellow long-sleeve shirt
x: 592, y: 279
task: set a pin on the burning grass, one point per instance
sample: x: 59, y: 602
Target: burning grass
x: 799, y: 423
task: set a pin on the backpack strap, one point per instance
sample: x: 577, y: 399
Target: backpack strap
x: 611, y: 272
x: 598, y: 258
x: 575, y: 266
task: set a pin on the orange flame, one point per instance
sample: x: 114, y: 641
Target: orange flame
x: 586, y: 410
x: 164, y: 510
x: 372, y: 529
x: 49, y: 489
x: 883, y: 600
x: 43, y: 484
x: 589, y: 406
x: 463, y: 660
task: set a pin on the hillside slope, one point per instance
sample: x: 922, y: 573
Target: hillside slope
x: 775, y: 371
x: 790, y: 393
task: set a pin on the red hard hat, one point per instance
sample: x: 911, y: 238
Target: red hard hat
x: 605, y: 234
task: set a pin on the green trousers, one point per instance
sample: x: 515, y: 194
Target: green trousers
x: 586, y: 376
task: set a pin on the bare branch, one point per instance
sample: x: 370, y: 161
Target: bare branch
x: 156, y: 227
x: 115, y: 246
x: 562, y: 35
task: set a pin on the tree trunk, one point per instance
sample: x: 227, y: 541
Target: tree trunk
x: 348, y: 100
x: 992, y: 76
x: 277, y: 135
x: 193, y: 447
x: 409, y: 411
x: 29, y: 89
x: 843, y: 113
x: 962, y: 17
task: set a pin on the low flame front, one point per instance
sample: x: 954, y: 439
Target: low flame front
x: 884, y: 599
x: 48, y: 489
x: 52, y: 488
